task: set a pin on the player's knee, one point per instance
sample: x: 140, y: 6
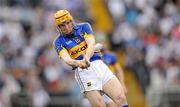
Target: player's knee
x: 120, y: 99
x: 99, y: 103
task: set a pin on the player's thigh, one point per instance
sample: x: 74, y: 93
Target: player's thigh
x: 114, y: 89
x: 95, y: 98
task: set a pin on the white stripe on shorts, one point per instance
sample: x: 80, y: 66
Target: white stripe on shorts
x: 79, y: 79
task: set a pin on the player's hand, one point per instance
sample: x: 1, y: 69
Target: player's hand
x: 98, y: 47
x: 84, y: 64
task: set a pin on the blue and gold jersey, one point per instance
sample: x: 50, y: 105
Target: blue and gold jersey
x: 75, y: 43
x: 109, y: 59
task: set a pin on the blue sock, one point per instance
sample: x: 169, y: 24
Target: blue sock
x: 125, y: 105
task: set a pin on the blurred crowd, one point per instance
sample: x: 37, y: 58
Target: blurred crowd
x: 147, y: 32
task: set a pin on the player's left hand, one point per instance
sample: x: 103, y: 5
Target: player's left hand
x: 84, y: 64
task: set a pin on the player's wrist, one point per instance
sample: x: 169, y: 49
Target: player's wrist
x: 78, y: 63
x: 87, y: 58
x: 87, y: 62
x: 74, y: 63
x: 82, y: 64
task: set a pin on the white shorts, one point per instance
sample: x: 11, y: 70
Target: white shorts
x: 94, y: 77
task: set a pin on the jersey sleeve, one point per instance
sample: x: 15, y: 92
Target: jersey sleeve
x: 58, y: 45
x: 88, y: 30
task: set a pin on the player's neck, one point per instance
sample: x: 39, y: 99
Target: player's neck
x: 68, y: 35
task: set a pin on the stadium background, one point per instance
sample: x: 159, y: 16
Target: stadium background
x: 145, y: 34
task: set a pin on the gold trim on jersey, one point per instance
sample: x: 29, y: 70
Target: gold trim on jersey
x: 77, y: 50
x: 88, y: 35
x: 60, y: 52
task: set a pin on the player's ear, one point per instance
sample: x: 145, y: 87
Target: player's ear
x: 58, y: 29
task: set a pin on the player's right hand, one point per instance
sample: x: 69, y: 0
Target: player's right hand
x: 84, y: 64
x: 98, y: 47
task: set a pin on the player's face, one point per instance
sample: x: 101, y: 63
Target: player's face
x: 66, y: 27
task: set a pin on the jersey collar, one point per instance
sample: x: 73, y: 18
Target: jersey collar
x: 76, y: 27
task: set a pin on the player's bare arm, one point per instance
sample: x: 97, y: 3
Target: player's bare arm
x: 90, y: 49
x: 71, y: 62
